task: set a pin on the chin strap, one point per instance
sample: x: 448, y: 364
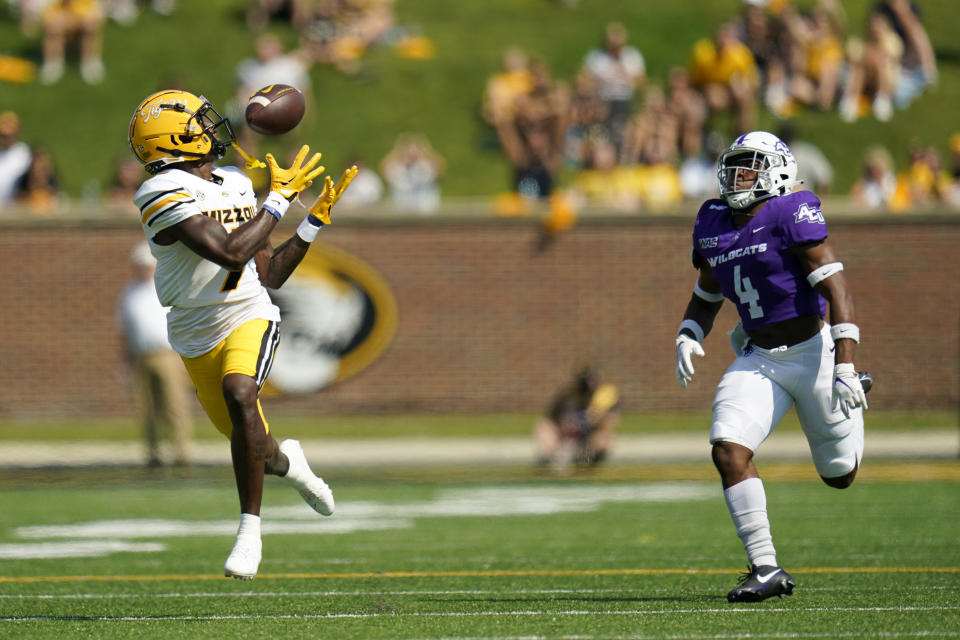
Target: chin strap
x: 252, y: 163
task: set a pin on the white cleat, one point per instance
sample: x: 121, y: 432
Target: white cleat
x: 244, y: 560
x: 313, y: 489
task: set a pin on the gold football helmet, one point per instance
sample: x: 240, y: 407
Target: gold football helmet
x: 176, y: 126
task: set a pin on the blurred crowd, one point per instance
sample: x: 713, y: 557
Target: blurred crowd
x: 633, y: 144
x: 610, y: 138
x: 335, y: 33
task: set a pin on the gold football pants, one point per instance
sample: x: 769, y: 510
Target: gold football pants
x: 248, y: 350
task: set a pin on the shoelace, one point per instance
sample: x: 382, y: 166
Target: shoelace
x: 743, y: 577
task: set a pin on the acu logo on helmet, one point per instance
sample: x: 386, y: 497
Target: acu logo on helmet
x: 806, y: 213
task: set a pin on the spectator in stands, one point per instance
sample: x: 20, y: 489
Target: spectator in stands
x: 814, y: 169
x: 297, y: 12
x: 873, y: 68
x: 927, y: 181
x: 918, y: 64
x: 604, y: 183
x: 879, y: 188
x: 689, y: 108
x: 127, y: 177
x: 660, y: 187
x: 272, y: 65
x: 14, y: 156
x: 63, y: 21
x: 126, y: 12
x: 586, y: 113
x: 504, y: 87
x: 341, y: 31
x: 412, y: 170
x: 724, y: 70
x: 366, y: 190
x: 823, y: 55
x: 534, y: 139
x: 698, y: 174
x: 766, y: 38
x: 653, y: 134
x: 160, y: 378
x: 38, y: 189
x: 368, y: 21
x: 619, y: 70
x: 580, y: 424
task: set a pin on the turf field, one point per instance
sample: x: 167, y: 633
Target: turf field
x: 486, y: 553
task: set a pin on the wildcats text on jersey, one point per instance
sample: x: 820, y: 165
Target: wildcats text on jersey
x: 733, y: 254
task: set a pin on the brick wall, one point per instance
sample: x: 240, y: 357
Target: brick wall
x: 486, y: 322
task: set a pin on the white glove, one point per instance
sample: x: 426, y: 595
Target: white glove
x: 738, y: 339
x: 847, y: 390
x: 687, y: 347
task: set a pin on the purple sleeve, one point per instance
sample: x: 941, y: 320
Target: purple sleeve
x: 801, y: 219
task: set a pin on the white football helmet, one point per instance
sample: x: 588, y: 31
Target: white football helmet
x: 760, y: 152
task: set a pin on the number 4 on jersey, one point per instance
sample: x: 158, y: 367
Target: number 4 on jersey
x: 747, y: 294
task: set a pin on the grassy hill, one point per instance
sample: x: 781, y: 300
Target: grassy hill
x: 201, y: 44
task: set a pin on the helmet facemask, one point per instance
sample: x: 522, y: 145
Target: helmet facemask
x: 746, y: 167
x: 756, y: 167
x: 206, y: 121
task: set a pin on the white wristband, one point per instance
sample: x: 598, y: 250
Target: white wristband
x: 308, y: 231
x: 845, y: 330
x: 694, y: 327
x: 275, y: 204
x: 823, y: 272
x: 703, y: 294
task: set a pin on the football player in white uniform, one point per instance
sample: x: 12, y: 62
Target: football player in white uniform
x: 763, y: 245
x: 214, y: 260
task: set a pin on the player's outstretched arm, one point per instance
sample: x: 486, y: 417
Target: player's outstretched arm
x: 207, y: 238
x: 275, y: 266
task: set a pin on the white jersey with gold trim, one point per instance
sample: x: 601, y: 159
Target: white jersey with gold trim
x: 207, y: 301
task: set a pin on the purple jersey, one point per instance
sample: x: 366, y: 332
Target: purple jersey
x: 753, y: 265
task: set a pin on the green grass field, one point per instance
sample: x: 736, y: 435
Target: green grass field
x: 634, y: 553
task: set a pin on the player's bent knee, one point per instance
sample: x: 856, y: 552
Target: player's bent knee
x: 724, y: 452
x: 730, y: 459
x: 239, y: 391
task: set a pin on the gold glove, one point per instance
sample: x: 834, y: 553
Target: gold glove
x: 330, y: 194
x: 290, y: 182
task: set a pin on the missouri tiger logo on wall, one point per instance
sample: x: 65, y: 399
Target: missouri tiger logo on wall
x: 337, y: 316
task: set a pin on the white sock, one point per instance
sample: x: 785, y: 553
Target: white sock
x: 747, y: 503
x: 249, y: 526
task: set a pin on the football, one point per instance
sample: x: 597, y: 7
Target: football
x: 275, y: 109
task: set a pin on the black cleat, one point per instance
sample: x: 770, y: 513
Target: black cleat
x: 866, y: 380
x: 760, y: 583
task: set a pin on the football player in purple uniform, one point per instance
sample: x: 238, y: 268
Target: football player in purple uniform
x: 764, y: 247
